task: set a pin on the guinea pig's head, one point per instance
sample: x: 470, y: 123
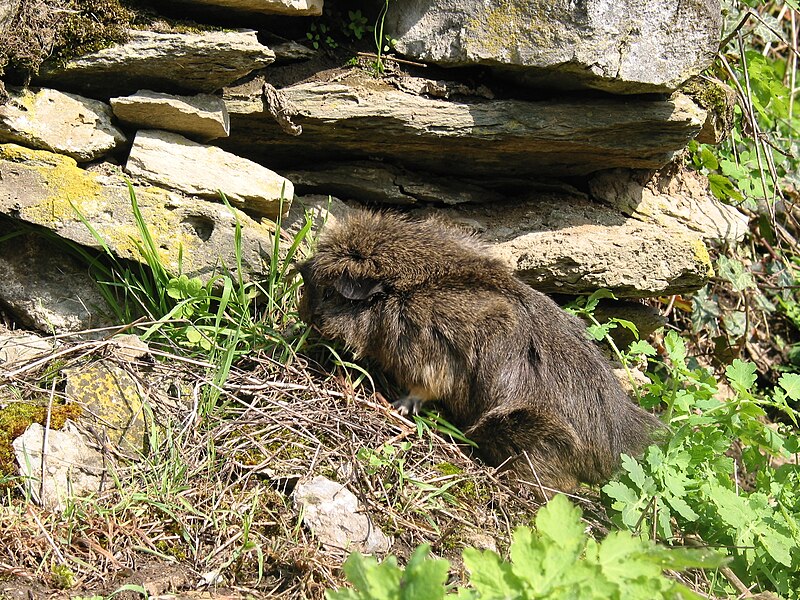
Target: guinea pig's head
x: 350, y: 276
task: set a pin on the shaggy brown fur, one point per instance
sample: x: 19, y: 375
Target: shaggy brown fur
x: 453, y: 324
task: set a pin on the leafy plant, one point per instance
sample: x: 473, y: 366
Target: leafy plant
x: 716, y: 478
x: 319, y: 34
x: 555, y: 560
x: 358, y: 24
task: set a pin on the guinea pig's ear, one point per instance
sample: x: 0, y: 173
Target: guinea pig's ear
x: 358, y: 289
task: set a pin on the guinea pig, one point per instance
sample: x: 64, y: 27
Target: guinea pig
x: 429, y: 303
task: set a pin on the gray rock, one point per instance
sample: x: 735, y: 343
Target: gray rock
x: 173, y: 62
x: 336, y: 517
x: 202, y: 117
x: 72, y: 469
x: 291, y: 52
x: 672, y: 200
x: 173, y: 162
x: 65, y: 123
x: 574, y: 246
x: 44, y: 287
x: 291, y: 8
x: 42, y: 188
x: 629, y: 46
x: 472, y: 138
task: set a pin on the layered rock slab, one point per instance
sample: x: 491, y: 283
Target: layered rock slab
x: 629, y: 46
x: 49, y: 190
x: 290, y: 8
x: 202, y: 117
x: 174, y: 162
x: 471, y: 137
x: 65, y: 123
x: 169, y: 62
x: 573, y: 246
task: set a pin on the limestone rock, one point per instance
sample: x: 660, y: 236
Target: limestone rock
x: 202, y: 117
x: 577, y: 247
x: 629, y: 46
x: 113, y: 405
x: 72, y: 469
x: 43, y: 286
x: 291, y: 52
x: 42, y: 188
x: 337, y: 518
x: 290, y: 8
x: 471, y: 137
x: 174, y: 62
x: 65, y: 123
x: 681, y: 200
x: 171, y: 161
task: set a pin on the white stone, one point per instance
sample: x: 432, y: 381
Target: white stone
x: 65, y: 123
x: 202, y: 117
x: 172, y: 161
x: 71, y: 470
x: 337, y: 518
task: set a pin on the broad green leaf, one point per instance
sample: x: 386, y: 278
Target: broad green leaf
x: 742, y: 375
x: 733, y: 271
x: 374, y: 581
x: 424, y: 577
x: 491, y: 577
x: 560, y: 521
x: 790, y: 382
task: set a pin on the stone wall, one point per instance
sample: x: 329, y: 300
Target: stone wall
x: 552, y: 128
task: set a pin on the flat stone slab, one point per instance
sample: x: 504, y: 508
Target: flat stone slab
x: 171, y: 161
x: 289, y: 8
x: 42, y: 188
x: 202, y: 117
x: 625, y: 46
x: 573, y: 246
x: 470, y: 137
x: 174, y: 62
x: 65, y: 123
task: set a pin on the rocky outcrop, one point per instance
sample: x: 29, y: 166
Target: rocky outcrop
x: 64, y: 123
x: 202, y: 117
x: 50, y: 190
x: 471, y: 137
x: 165, y: 62
x: 172, y: 161
x: 630, y: 46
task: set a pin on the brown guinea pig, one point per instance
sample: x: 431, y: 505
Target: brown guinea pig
x: 450, y: 323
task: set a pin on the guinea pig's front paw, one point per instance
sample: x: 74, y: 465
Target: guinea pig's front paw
x: 408, y: 405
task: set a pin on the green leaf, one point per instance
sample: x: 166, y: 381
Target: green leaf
x: 424, y: 577
x: 490, y: 576
x: 734, y: 271
x: 641, y: 347
x: 707, y: 158
x: 373, y: 580
x: 790, y: 382
x: 742, y: 375
x: 722, y: 188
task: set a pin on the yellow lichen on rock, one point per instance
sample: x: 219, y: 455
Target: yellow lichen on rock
x: 69, y: 187
x: 701, y: 256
